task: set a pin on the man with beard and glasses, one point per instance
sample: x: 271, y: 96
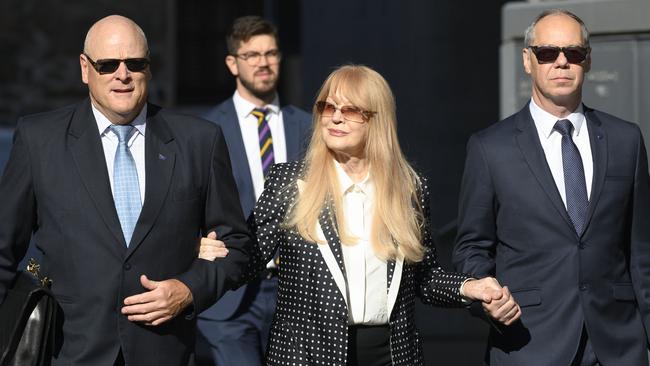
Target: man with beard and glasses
x: 555, y: 203
x: 258, y: 133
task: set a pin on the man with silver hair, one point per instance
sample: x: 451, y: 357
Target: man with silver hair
x: 555, y: 203
x: 116, y: 193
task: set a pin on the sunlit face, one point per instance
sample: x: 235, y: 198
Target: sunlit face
x: 259, y: 80
x: 340, y: 135
x: 121, y: 95
x: 560, y: 82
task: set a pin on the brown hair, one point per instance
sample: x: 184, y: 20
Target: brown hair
x: 243, y: 28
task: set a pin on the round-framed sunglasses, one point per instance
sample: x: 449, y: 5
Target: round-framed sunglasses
x: 348, y: 112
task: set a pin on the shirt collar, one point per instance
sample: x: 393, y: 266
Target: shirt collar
x: 545, y: 121
x: 347, y: 185
x: 140, y: 121
x: 244, y: 108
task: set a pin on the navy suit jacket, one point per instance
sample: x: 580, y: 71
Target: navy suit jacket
x: 56, y: 186
x: 297, y: 130
x: 514, y: 225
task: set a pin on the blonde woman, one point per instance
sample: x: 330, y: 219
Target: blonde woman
x: 351, y: 223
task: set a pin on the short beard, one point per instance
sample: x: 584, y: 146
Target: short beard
x: 266, y: 95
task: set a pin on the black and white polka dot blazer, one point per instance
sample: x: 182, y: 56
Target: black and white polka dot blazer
x: 310, y: 323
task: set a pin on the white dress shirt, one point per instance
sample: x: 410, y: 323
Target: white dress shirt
x: 366, y: 273
x: 249, y: 133
x: 552, y: 144
x: 135, y: 144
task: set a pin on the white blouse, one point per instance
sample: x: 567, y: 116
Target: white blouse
x: 366, y: 273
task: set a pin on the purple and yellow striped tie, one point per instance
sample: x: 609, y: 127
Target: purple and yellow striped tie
x: 265, y: 138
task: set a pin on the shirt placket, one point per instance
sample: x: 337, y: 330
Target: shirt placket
x: 356, y: 227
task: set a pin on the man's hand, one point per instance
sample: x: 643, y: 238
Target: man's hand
x: 211, y: 248
x: 164, y: 300
x: 498, y: 303
x: 503, y: 309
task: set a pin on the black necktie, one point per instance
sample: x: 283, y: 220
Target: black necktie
x: 574, y: 177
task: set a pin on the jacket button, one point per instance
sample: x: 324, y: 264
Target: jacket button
x: 126, y: 266
x: 584, y: 287
x: 581, y: 245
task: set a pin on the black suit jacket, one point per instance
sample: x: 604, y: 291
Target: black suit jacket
x: 297, y: 130
x: 311, y: 320
x: 514, y: 225
x: 56, y: 185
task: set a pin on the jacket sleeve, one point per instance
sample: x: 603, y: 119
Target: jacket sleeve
x: 476, y: 239
x: 209, y: 280
x: 268, y: 217
x: 17, y: 211
x: 640, y: 235
x: 435, y: 286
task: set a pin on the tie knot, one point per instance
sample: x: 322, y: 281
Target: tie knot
x: 564, y: 127
x: 123, y: 132
x: 260, y: 113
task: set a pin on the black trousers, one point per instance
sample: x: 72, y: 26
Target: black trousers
x: 119, y: 361
x: 369, y: 345
x: 585, y: 355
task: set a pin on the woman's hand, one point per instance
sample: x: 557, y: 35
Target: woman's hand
x: 211, y: 248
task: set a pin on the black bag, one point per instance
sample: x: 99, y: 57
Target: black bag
x: 28, y: 318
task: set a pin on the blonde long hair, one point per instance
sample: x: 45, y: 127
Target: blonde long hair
x: 398, y: 220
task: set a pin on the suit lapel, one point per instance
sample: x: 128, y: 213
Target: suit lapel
x: 333, y: 256
x: 328, y: 223
x: 159, y: 165
x: 598, y: 142
x: 331, y: 250
x: 88, y: 153
x: 291, y: 134
x: 229, y: 123
x: 332, y: 253
x: 531, y: 148
x: 389, y: 273
x: 395, y: 269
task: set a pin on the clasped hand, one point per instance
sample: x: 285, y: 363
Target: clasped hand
x: 211, y: 248
x: 497, y: 301
x: 163, y: 301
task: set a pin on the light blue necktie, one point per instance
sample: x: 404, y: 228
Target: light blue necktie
x: 126, y: 189
x: 574, y: 177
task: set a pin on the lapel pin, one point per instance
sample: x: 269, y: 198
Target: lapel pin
x: 162, y: 157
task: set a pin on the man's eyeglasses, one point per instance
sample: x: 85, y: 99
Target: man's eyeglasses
x: 110, y: 65
x: 548, y: 54
x: 349, y: 113
x: 254, y: 58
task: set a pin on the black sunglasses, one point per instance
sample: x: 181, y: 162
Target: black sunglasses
x: 548, y: 54
x: 110, y: 65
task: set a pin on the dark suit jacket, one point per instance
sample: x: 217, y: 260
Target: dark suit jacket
x: 311, y: 320
x: 56, y: 185
x: 297, y: 130
x: 514, y: 225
